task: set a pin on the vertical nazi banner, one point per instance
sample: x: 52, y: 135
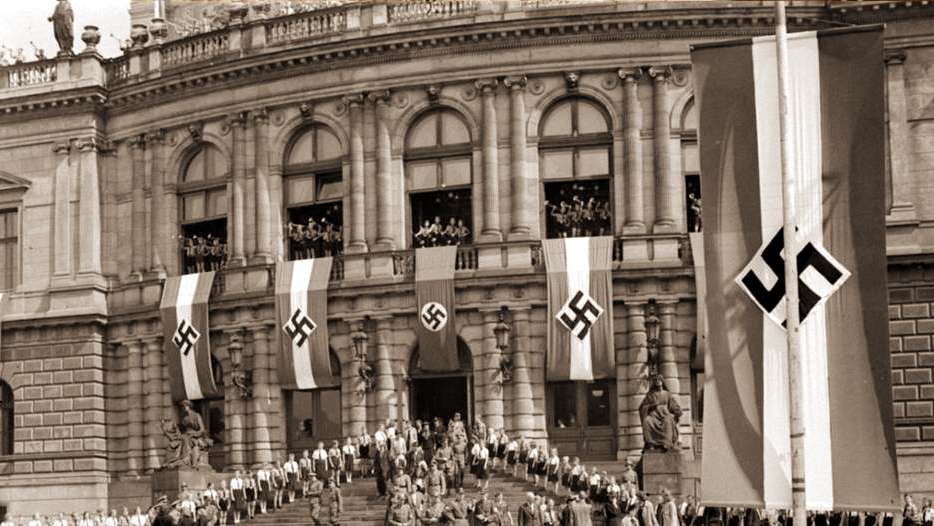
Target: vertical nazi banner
x: 837, y: 123
x: 434, y: 299
x: 184, y: 313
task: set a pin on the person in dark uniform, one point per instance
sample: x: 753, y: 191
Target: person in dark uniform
x: 315, y: 487
x: 332, y: 501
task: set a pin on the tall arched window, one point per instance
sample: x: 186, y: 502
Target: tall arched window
x: 314, y: 191
x: 203, y: 209
x: 438, y: 176
x: 315, y: 414
x: 6, y: 419
x: 576, y: 169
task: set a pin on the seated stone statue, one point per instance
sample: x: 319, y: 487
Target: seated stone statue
x: 188, y: 442
x: 659, y: 412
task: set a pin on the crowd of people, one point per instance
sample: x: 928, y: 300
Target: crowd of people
x: 437, y: 234
x: 579, y: 217
x: 315, y: 239
x: 203, y: 253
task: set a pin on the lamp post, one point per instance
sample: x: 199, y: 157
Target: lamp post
x: 359, y: 338
x: 240, y: 378
x: 501, y: 331
x: 652, y: 326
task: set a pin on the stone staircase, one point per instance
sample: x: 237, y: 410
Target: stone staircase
x: 363, y: 506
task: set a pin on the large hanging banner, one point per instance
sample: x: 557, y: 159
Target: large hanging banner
x: 837, y: 125
x: 434, y: 299
x: 302, y: 314
x: 184, y: 312
x: 580, y: 308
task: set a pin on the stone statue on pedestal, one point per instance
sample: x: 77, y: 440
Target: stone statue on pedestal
x: 188, y: 442
x: 63, y: 24
x: 659, y: 413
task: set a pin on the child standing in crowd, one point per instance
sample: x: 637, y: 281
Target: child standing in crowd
x: 293, y: 484
x: 553, y: 470
x: 349, y: 452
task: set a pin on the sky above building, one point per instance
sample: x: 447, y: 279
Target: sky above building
x: 25, y: 21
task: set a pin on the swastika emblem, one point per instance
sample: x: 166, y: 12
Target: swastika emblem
x: 186, y: 336
x: 299, y: 327
x: 579, y: 313
x: 434, y: 316
x: 763, y: 279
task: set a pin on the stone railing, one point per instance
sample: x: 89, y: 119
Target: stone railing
x: 418, y: 10
x: 545, y: 4
x: 307, y: 25
x: 118, y: 70
x: 29, y: 74
x: 196, y: 48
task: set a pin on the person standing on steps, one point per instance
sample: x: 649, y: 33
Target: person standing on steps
x: 315, y: 487
x: 293, y: 484
x: 332, y: 500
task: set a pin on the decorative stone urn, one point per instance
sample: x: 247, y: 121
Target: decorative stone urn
x: 237, y: 12
x: 139, y: 35
x: 91, y: 36
x: 158, y: 29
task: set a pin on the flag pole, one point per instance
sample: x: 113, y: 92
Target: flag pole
x: 792, y: 323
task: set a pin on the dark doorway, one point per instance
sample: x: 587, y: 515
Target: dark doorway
x: 582, y: 418
x: 442, y: 397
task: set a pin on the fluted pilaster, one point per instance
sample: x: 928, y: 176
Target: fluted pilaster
x: 62, y: 225
x: 384, y: 230
x: 138, y: 205
x: 263, y: 227
x: 89, y: 209
x: 385, y: 389
x: 237, y: 243
x: 523, y: 202
x: 491, y: 231
x: 152, y: 382
x: 158, y: 225
x: 665, y: 183
x: 357, y: 175
x: 632, y: 141
x: 261, y: 443
x: 523, y: 408
x: 135, y: 403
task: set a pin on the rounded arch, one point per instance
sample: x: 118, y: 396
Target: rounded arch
x: 571, y: 101
x: 681, y: 109
x: 178, y: 158
x: 321, y: 131
x: 465, y: 359
x: 411, y: 115
x: 9, y: 373
x: 293, y: 128
x: 558, y: 94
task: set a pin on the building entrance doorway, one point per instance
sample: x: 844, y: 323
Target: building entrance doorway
x: 441, y: 394
x: 582, y: 419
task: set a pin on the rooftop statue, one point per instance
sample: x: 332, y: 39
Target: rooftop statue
x: 63, y: 24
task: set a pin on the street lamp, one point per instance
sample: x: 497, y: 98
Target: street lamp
x: 240, y: 378
x: 501, y: 331
x: 359, y: 339
x: 652, y: 326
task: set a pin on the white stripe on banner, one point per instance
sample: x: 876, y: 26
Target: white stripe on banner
x: 298, y: 299
x: 577, y: 257
x: 187, y: 287
x: 805, y: 123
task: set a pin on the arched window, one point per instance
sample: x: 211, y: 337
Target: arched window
x: 576, y: 169
x: 6, y: 419
x: 315, y: 414
x: 690, y: 163
x: 438, y: 176
x: 203, y: 209
x: 314, y: 192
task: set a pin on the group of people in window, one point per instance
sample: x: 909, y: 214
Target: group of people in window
x: 436, y: 234
x: 317, y: 238
x: 583, y: 213
x: 203, y: 253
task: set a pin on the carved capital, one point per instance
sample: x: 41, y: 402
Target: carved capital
x: 380, y: 98
x: 138, y: 142
x: 260, y: 115
x: 630, y: 74
x: 238, y: 120
x: 87, y: 144
x: 354, y: 100
x: 156, y: 136
x: 660, y: 73
x: 62, y: 148
x: 516, y: 82
x: 486, y: 86
x: 895, y: 57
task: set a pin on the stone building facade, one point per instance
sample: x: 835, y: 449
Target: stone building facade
x: 376, y: 115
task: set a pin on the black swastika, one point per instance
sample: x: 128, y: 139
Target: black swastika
x: 434, y: 316
x: 185, y: 337
x: 585, y: 313
x: 299, y: 327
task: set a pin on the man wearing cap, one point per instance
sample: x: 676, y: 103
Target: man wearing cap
x: 315, y: 487
x: 400, y: 514
x: 436, y: 483
x: 528, y: 512
x: 460, y: 458
x: 332, y: 500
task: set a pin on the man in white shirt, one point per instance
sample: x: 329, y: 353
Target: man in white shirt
x: 291, y: 476
x: 139, y: 518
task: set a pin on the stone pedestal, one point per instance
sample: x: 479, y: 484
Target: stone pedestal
x: 169, y: 482
x: 662, y: 470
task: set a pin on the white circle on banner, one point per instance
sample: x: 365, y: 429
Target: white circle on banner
x: 434, y: 316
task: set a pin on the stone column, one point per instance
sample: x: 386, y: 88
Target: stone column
x: 236, y: 245
x: 234, y: 413
x: 62, y: 228
x: 901, y: 183
x: 668, y: 362
x: 135, y: 403
x: 158, y: 225
x: 152, y: 382
x: 138, y: 205
x: 635, y: 204
x: 264, y: 249
x: 261, y: 443
x: 665, y: 183
x: 523, y: 204
x: 385, y: 389
x: 631, y: 382
x: 384, y: 239
x: 523, y: 408
x: 276, y: 209
x: 89, y: 211
x: 491, y: 231
x: 357, y: 175
x: 493, y: 403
